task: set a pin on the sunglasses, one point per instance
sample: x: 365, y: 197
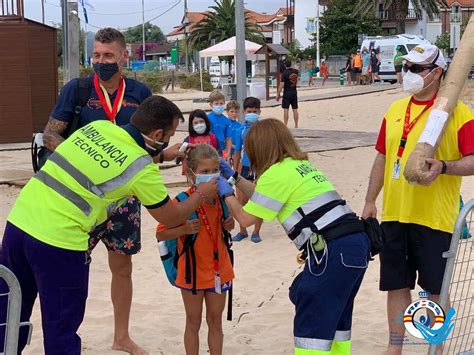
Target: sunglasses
x: 417, y: 68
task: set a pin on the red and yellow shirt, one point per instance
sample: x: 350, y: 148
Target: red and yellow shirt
x: 435, y: 206
x: 204, y: 249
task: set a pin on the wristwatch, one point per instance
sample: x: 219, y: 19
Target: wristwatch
x: 234, y: 179
x: 444, y: 168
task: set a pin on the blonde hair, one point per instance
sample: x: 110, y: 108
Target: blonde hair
x: 268, y: 142
x: 202, y: 151
x: 232, y: 104
x: 216, y: 95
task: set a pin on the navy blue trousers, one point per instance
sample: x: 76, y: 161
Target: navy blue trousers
x: 59, y: 276
x: 324, y: 297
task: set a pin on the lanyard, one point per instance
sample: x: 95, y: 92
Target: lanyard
x: 408, y: 126
x: 214, y: 239
x: 110, y: 111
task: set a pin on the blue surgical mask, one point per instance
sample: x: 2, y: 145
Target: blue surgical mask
x: 218, y: 110
x: 205, y: 177
x: 252, y: 117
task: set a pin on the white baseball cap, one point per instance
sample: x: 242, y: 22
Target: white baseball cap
x: 426, y: 54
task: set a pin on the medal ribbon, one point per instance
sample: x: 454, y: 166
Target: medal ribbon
x: 110, y: 111
x: 408, y: 126
x: 206, y: 222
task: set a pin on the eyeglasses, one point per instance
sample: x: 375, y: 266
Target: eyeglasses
x: 417, y: 68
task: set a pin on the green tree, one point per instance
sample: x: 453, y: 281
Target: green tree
x: 153, y: 33
x: 339, y: 29
x: 443, y: 41
x: 400, y: 9
x: 220, y: 25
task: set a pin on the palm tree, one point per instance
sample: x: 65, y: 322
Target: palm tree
x: 219, y: 25
x: 400, y: 9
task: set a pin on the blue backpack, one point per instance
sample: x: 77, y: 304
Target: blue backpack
x: 169, y: 253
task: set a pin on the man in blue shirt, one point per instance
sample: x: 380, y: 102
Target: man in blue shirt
x: 220, y: 124
x: 115, y: 98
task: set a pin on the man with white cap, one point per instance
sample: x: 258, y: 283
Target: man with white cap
x: 418, y: 220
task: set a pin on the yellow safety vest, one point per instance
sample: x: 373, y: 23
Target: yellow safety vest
x: 292, y: 191
x: 83, y: 182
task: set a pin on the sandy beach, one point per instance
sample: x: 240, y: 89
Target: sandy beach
x: 263, y: 314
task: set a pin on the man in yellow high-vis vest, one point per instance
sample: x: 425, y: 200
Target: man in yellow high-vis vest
x: 95, y: 170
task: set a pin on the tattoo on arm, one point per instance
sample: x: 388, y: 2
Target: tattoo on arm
x: 52, y: 133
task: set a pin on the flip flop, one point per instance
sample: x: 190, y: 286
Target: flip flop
x: 239, y: 236
x: 255, y: 238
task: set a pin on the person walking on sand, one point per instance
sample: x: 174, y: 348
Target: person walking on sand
x: 349, y: 70
x: 290, y: 94
x: 331, y: 238
x: 308, y: 67
x: 418, y: 220
x: 324, y: 71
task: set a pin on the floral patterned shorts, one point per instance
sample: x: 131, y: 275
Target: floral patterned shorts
x: 121, y: 232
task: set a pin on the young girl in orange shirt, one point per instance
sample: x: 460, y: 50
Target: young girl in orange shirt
x: 214, y: 272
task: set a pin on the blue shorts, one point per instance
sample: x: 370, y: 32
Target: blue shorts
x: 226, y: 286
x: 324, y: 296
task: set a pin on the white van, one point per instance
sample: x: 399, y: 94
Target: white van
x: 386, y: 47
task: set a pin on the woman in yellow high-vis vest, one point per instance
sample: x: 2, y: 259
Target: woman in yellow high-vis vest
x: 331, y: 238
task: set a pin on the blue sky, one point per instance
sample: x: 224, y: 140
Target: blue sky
x: 126, y: 13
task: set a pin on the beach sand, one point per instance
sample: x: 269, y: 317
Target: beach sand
x: 263, y: 314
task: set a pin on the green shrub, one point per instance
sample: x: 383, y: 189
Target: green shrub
x: 84, y: 72
x: 193, y: 81
x: 152, y: 80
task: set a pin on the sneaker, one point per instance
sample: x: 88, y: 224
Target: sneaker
x: 239, y: 236
x: 255, y: 238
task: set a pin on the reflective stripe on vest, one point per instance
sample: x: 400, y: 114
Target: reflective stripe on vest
x: 64, y: 191
x: 99, y: 190
x: 83, y: 180
x: 266, y: 201
x: 310, y: 206
x: 132, y: 170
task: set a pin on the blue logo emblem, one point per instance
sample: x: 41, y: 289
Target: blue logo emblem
x: 433, y: 331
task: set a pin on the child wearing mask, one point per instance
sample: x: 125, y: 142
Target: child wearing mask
x: 233, y: 111
x: 199, y: 132
x: 252, y: 114
x: 213, y: 271
x: 220, y: 124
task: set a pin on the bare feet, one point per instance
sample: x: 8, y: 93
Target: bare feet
x: 129, y: 346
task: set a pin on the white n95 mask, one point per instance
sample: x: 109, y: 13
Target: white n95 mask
x: 413, y: 83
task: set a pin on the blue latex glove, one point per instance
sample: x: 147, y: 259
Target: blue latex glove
x: 223, y: 187
x: 226, y: 169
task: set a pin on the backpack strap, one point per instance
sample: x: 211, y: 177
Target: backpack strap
x: 228, y: 243
x: 188, y: 249
x: 82, y: 95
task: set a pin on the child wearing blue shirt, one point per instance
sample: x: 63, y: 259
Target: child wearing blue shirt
x: 233, y: 111
x: 220, y: 124
x: 252, y: 114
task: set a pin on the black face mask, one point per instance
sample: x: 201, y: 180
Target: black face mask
x: 106, y: 71
x: 156, y: 147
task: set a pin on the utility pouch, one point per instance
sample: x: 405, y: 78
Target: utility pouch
x: 376, y: 235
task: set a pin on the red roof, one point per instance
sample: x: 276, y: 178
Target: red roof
x: 261, y: 18
x: 462, y: 3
